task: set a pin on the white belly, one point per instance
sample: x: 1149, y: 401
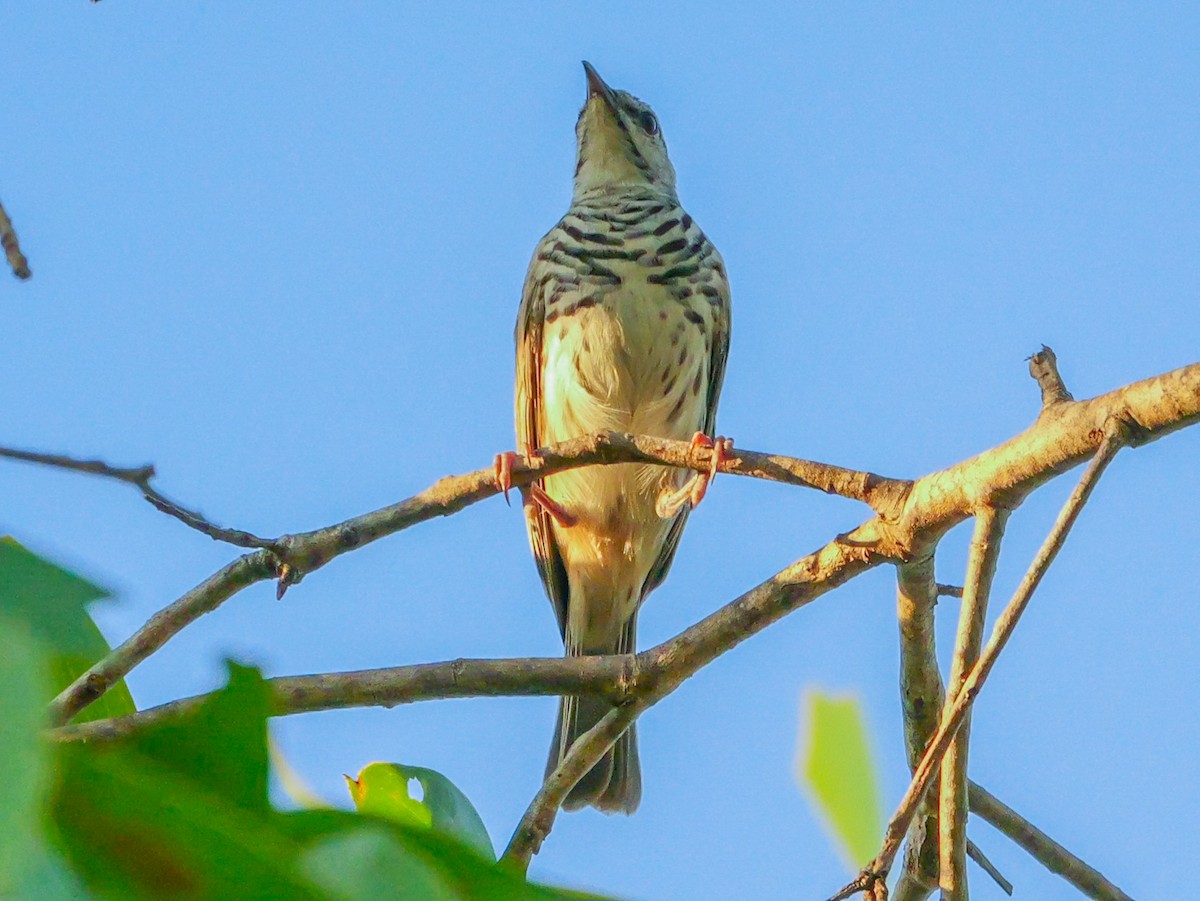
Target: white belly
x: 626, y: 365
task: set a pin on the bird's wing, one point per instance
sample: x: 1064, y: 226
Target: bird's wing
x: 530, y: 321
x: 721, y: 322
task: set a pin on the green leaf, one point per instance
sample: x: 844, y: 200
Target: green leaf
x: 47, y: 597
x: 458, y: 868
x: 47, y: 878
x: 23, y: 755
x: 371, y: 865
x: 222, y: 743
x: 133, y: 827
x: 837, y: 769
x: 382, y: 789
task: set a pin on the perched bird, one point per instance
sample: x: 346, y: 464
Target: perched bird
x: 623, y: 326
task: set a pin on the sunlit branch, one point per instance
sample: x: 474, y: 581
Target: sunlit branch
x: 1109, y: 441
x: 952, y: 805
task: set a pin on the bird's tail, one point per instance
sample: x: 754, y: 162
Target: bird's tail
x: 614, y: 784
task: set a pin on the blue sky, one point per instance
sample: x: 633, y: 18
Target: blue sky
x: 278, y: 251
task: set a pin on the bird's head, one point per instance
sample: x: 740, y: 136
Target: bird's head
x: 620, y: 143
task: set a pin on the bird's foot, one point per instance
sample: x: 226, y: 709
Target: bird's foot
x: 503, y: 472
x: 538, y: 496
x: 722, y: 450
x: 694, y: 489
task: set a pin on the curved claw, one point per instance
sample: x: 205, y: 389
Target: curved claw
x: 693, y: 490
x: 503, y: 467
x: 722, y: 449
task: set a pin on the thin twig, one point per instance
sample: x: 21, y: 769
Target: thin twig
x: 140, y: 477
x: 12, y: 247
x: 981, y: 860
x: 949, y: 591
x: 952, y: 809
x: 1045, y: 850
x: 1110, y: 442
x: 585, y: 753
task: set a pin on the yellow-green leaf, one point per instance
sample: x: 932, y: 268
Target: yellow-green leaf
x: 836, y: 768
x: 382, y: 789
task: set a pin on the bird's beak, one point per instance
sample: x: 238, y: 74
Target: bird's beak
x: 597, y: 87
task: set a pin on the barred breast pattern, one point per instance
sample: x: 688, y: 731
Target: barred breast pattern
x: 646, y: 263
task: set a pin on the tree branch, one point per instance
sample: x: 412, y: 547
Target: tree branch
x: 1109, y: 441
x: 1049, y: 853
x: 290, y: 557
x: 932, y: 506
x: 585, y: 753
x: 952, y: 809
x: 1043, y: 366
x: 612, y: 677
x: 12, y: 247
x: 981, y: 860
x: 916, y: 516
x: 921, y: 699
x: 140, y: 477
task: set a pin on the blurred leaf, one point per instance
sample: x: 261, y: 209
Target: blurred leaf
x: 47, y: 597
x: 134, y: 827
x: 293, y: 785
x: 370, y: 865
x: 837, y: 769
x: 47, y: 878
x: 23, y: 755
x: 382, y: 789
x: 222, y: 743
x: 459, y: 868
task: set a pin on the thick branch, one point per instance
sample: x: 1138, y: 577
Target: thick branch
x: 921, y: 699
x: 952, y: 810
x: 611, y: 677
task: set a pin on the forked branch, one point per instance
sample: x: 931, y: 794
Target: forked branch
x: 1110, y: 441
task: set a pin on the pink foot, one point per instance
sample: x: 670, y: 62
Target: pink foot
x: 693, y: 490
x: 503, y: 468
x: 722, y: 449
x: 553, y: 508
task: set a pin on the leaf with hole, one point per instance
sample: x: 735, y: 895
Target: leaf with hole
x: 383, y: 789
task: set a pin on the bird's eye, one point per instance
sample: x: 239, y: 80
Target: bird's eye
x: 649, y: 123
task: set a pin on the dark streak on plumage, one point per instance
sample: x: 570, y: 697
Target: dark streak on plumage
x: 675, y: 410
x: 674, y: 272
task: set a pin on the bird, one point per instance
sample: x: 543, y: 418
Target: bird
x: 624, y: 326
